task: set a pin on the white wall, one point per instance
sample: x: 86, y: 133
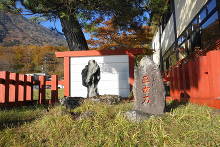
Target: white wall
x: 168, y: 36
x: 156, y: 48
x: 185, y: 11
x: 114, y: 75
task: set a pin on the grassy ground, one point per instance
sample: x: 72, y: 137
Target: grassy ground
x: 48, y: 93
x: 186, y: 125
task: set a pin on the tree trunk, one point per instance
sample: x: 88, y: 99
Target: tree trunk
x: 73, y: 33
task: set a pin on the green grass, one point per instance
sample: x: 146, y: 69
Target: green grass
x: 186, y: 125
x: 48, y: 93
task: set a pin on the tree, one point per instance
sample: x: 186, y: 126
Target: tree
x: 156, y: 8
x: 31, y: 59
x: 107, y: 36
x: 7, y: 5
x: 73, y: 14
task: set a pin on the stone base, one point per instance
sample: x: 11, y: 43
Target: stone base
x: 107, y: 99
x: 137, y: 116
x: 71, y: 102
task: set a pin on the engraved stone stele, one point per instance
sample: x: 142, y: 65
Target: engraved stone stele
x: 149, y: 92
x: 90, y: 78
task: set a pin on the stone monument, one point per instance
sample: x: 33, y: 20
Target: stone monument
x: 90, y: 78
x: 149, y: 92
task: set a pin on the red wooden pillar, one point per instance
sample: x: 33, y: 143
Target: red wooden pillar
x: 4, y: 87
x: 196, y: 77
x: 184, y: 97
x: 131, y: 70
x: 29, y: 91
x: 22, y: 87
x: 184, y: 77
x: 175, y: 83
x: 54, y: 88
x: 66, y: 76
x: 42, y: 90
x: 180, y: 82
x: 172, y: 83
x: 13, y: 87
x: 191, y: 79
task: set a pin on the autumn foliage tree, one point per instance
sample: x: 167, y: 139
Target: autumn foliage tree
x: 108, y: 36
x: 74, y: 13
x: 31, y: 59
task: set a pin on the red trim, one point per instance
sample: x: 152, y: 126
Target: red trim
x: 59, y: 82
x: 99, y: 53
x: 67, y: 54
x: 4, y: 88
x: 54, y: 88
x: 66, y: 76
x: 42, y: 90
x: 29, y: 88
x: 131, y: 70
x: 13, y: 88
x: 22, y: 88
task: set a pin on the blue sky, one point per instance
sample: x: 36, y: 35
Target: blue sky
x: 48, y: 24
x: 56, y: 23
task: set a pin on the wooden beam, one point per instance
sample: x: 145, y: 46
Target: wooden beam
x: 99, y: 53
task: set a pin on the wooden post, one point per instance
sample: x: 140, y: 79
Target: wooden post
x: 67, y: 76
x: 22, y: 87
x: 54, y: 88
x: 4, y: 87
x: 42, y: 90
x: 131, y: 70
x: 13, y: 87
x: 29, y: 92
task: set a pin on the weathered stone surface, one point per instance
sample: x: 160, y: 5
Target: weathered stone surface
x: 148, y: 91
x: 107, y: 99
x: 90, y: 78
x: 148, y: 88
x: 136, y: 116
x: 71, y: 102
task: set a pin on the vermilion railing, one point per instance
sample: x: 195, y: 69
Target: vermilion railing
x: 18, y: 89
x: 197, y: 79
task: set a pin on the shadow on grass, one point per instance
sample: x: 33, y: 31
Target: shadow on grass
x: 14, y: 123
x: 174, y: 104
x: 15, y: 117
x: 184, y: 100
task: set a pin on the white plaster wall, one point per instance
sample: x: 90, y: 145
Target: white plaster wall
x: 168, y: 36
x: 186, y: 10
x: 114, y: 75
x: 156, y: 48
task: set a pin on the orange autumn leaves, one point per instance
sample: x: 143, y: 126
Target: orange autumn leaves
x: 107, y: 36
x: 30, y: 59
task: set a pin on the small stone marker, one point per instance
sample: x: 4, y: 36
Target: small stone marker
x: 149, y: 92
x: 149, y: 88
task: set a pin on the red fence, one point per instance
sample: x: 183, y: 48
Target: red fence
x: 197, y: 80
x: 17, y: 89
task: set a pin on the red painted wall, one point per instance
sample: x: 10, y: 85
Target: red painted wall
x: 197, y: 80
